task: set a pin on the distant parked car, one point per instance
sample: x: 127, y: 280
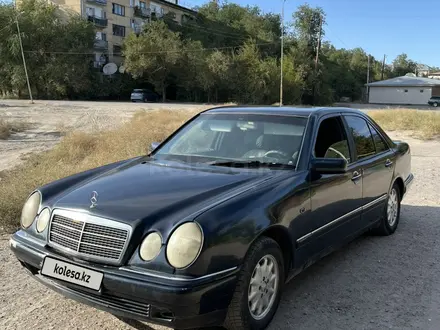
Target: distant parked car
x: 144, y: 95
x: 434, y: 101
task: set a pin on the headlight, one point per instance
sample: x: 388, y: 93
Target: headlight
x: 43, y: 220
x: 150, y: 247
x: 30, y: 210
x: 184, y: 245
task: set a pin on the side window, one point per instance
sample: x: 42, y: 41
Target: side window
x: 331, y: 141
x: 362, y: 136
x: 380, y: 144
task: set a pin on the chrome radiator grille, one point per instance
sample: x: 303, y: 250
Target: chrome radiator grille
x: 84, y: 237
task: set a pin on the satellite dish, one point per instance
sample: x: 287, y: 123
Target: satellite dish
x: 121, y: 69
x: 109, y: 68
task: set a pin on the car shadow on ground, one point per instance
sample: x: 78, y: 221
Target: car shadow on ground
x: 373, y: 282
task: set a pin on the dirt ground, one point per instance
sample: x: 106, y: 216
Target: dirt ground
x: 373, y: 283
x: 51, y: 119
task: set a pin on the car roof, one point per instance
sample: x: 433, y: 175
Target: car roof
x: 281, y: 111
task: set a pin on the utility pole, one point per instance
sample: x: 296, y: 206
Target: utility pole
x: 368, y: 77
x: 319, y: 43
x: 24, y: 60
x: 383, y: 67
x: 282, y: 54
x: 317, y: 59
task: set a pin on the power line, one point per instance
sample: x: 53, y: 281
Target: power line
x: 149, y: 53
x: 211, y: 31
x: 337, y: 37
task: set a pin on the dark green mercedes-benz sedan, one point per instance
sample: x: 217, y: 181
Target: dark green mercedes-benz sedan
x: 207, y: 228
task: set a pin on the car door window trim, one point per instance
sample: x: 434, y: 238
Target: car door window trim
x: 356, y: 160
x: 342, y: 217
x: 371, y: 123
x: 343, y: 129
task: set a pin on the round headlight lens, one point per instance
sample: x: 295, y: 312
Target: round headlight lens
x: 43, y: 220
x: 150, y: 247
x: 184, y: 245
x: 30, y: 210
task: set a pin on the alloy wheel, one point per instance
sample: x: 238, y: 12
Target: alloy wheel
x: 263, y: 287
x: 393, y: 207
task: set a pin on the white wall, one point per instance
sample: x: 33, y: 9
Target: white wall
x: 400, y: 95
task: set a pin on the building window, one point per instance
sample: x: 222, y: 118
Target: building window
x: 101, y: 36
x: 90, y: 11
x: 421, y: 91
x: 142, y: 4
x: 117, y: 50
x: 118, y: 9
x: 118, y: 30
x: 406, y: 91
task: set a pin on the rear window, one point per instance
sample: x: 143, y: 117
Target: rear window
x: 138, y: 90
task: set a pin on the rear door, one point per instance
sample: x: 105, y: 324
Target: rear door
x: 376, y: 161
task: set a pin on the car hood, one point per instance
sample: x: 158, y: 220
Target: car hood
x: 156, y: 190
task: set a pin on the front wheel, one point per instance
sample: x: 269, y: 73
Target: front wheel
x: 259, y: 286
x: 391, y: 216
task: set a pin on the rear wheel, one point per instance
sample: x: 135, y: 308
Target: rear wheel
x: 435, y: 104
x: 391, y: 216
x: 259, y: 286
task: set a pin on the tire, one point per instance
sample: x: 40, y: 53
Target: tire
x: 388, y: 227
x: 239, y: 317
x: 435, y: 104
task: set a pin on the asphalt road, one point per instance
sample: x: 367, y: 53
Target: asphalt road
x: 373, y: 283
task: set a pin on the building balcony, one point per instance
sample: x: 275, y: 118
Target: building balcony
x: 98, y: 2
x: 141, y: 12
x: 100, y: 44
x: 102, y: 22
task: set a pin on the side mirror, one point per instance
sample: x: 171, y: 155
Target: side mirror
x: 153, y: 146
x: 328, y: 165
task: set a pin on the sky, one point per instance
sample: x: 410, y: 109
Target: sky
x: 389, y: 27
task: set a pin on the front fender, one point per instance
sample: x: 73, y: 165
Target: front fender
x: 231, y: 227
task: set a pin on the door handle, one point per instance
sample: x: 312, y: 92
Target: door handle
x: 388, y: 163
x: 356, y: 176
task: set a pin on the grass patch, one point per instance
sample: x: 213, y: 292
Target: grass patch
x: 81, y: 151
x: 422, y: 124
x: 8, y: 128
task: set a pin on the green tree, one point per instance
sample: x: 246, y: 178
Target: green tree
x: 308, y: 31
x: 154, y: 54
x: 403, y: 65
x: 57, y: 51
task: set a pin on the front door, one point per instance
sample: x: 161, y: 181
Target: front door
x: 336, y: 199
x: 376, y: 161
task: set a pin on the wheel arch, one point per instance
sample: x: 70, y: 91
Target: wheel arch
x: 399, y: 182
x: 280, y: 235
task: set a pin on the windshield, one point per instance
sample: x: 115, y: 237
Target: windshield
x: 228, y: 139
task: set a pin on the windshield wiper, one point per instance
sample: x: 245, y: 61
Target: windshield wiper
x: 250, y: 164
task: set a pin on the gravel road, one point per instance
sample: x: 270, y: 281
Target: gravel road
x: 373, y: 283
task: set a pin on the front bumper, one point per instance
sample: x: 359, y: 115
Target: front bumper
x: 177, y: 302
